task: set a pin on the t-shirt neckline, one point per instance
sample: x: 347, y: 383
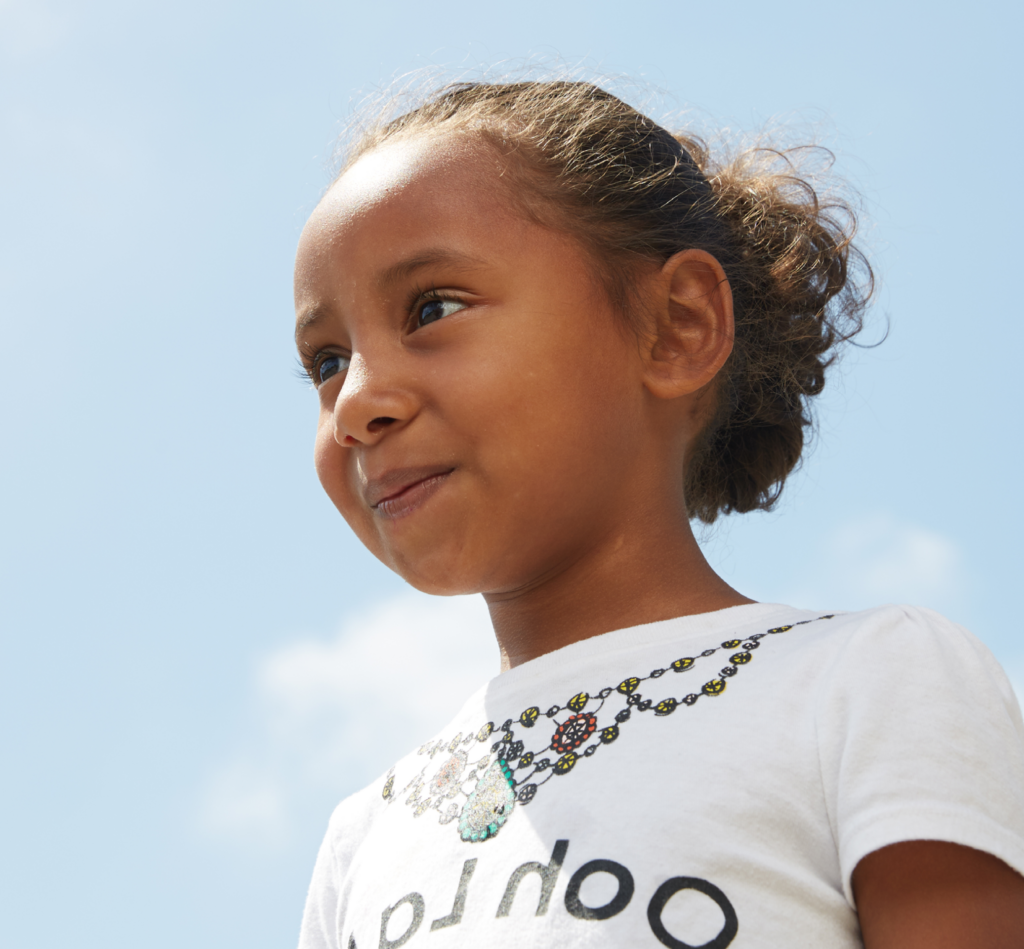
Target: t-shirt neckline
x: 605, y: 645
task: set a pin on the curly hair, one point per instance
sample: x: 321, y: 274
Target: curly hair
x: 593, y: 166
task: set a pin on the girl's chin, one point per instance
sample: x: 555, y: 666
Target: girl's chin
x: 435, y: 574
x: 440, y: 583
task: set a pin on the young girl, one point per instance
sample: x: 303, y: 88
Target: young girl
x: 546, y: 334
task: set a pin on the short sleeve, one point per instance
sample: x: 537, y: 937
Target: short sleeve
x: 325, y: 901
x: 319, y: 919
x: 920, y: 738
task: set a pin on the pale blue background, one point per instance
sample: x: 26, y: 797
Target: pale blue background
x: 172, y: 580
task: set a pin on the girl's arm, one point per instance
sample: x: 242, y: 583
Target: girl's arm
x: 928, y: 894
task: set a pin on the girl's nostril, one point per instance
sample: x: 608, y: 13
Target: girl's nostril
x: 379, y: 423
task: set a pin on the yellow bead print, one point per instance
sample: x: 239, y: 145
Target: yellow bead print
x: 628, y: 685
x: 565, y: 764
x: 578, y: 702
x: 529, y: 718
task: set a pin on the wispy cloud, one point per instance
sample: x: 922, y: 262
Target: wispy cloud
x: 878, y: 558
x: 331, y: 715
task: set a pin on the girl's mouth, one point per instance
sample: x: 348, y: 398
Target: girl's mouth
x: 402, y: 492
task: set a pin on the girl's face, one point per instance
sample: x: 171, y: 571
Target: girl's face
x: 483, y: 417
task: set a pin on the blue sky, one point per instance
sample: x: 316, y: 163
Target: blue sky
x: 197, y: 659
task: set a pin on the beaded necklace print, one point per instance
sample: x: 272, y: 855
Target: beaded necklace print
x: 482, y: 792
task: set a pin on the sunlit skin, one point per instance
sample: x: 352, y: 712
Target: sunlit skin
x: 489, y: 424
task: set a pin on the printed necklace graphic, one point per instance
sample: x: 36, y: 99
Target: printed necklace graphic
x: 509, y: 773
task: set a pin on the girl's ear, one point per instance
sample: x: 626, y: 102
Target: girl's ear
x: 691, y: 330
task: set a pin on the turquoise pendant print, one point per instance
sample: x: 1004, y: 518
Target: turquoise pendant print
x: 489, y: 804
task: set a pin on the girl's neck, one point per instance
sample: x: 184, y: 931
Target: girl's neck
x: 651, y: 573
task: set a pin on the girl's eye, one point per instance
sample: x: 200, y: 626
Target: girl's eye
x: 329, y: 366
x: 434, y: 310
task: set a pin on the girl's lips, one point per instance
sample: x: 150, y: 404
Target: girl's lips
x: 409, y: 498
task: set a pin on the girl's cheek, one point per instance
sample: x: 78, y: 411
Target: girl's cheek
x: 333, y: 467
x: 328, y: 458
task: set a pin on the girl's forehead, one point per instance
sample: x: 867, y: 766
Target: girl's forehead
x: 406, y: 189
x: 404, y: 168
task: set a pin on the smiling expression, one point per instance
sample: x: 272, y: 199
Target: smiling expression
x: 482, y: 412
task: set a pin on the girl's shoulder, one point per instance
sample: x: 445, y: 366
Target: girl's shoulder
x: 919, y: 736
x: 892, y: 666
x: 909, y: 644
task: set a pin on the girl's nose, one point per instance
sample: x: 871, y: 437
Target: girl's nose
x: 369, y: 405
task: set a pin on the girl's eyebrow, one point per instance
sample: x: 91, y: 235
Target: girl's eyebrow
x: 308, y: 318
x: 394, y: 274
x: 390, y: 276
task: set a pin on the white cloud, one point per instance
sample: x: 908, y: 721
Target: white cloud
x: 333, y: 715
x: 877, y: 559
x: 888, y: 559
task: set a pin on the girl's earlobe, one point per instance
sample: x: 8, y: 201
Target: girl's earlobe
x: 691, y: 331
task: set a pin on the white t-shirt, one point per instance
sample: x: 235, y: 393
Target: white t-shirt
x: 706, y: 781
